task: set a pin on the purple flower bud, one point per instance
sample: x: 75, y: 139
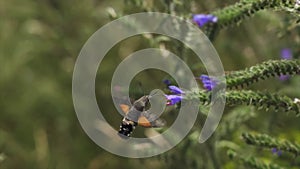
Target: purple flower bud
x: 204, y: 77
x: 175, y: 90
x: 279, y: 152
x: 275, y: 151
x: 167, y: 82
x: 202, y: 19
x: 208, y: 83
x: 284, y: 77
x: 173, y: 99
x: 286, y: 53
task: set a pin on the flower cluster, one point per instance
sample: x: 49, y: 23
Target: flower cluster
x: 176, y: 95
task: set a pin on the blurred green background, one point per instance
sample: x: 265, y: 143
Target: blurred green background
x: 39, y: 43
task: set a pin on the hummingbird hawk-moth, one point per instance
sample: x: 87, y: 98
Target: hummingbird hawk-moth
x: 137, y: 115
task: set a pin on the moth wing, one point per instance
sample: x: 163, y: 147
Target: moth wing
x: 143, y: 121
x: 123, y: 103
x: 149, y: 120
x: 125, y: 108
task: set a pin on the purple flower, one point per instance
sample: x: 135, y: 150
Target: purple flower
x: 167, y: 82
x: 284, y: 77
x: 286, y: 53
x: 175, y: 90
x: 173, y: 99
x: 208, y: 83
x: 202, y: 19
x: 275, y: 151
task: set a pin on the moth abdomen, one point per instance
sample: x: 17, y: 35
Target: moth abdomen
x: 126, y: 128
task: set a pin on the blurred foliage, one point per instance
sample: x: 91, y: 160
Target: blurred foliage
x: 40, y: 41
